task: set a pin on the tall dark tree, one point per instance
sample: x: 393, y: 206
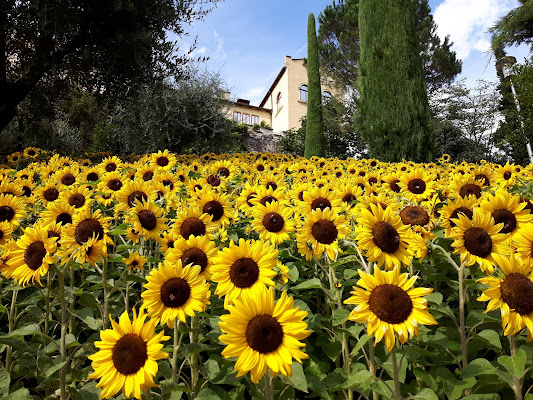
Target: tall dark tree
x: 100, y: 45
x: 514, y: 28
x: 393, y: 107
x: 339, y: 44
x: 315, y: 141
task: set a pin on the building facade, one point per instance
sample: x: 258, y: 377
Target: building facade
x: 285, y: 103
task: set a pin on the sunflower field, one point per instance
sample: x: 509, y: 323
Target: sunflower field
x: 264, y: 276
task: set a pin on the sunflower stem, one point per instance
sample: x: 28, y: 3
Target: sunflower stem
x: 269, y: 387
x: 106, y: 294
x: 397, y: 392
x: 147, y: 394
x: 62, y: 346
x: 47, y: 305
x: 462, y: 329
x: 194, y: 357
x: 372, y: 364
x: 175, y: 351
x: 517, y: 382
x: 72, y: 303
x: 11, y: 325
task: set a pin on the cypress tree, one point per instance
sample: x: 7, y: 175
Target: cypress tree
x: 393, y: 110
x: 315, y: 141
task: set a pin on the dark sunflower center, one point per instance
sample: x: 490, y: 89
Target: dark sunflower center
x: 324, y: 231
x: 321, y: 203
x: 214, y: 180
x: 147, y: 219
x: 51, y: 194
x: 31, y: 152
x: 264, y: 333
x: 77, y: 200
x: 506, y: 175
x: 460, y: 210
x: 64, y: 218
x: 92, y: 176
x: 114, y: 184
x: 162, y: 161
x: 517, y: 292
x: 52, y: 234
x: 386, y: 237
x: 390, y: 303
x: 414, y: 215
x: 175, y: 292
x: 394, y: 186
x: 68, y: 179
x: 129, y: 354
x: 301, y: 196
x: 194, y: 256
x: 469, y: 189
x: 244, y: 272
x: 148, y: 175
x: 111, y: 167
x: 508, y: 219
x: 478, y: 242
x: 214, y: 208
x: 249, y: 197
x: 529, y: 205
x: 6, y: 213
x: 372, y: 180
x: 137, y: 195
x: 1, y: 235
x: 271, y: 185
x: 34, y: 254
x: 192, y: 226
x: 260, y: 167
x: 169, y: 183
x: 273, y: 222
x: 26, y: 191
x: 484, y: 178
x: 349, y: 198
x: 223, y: 171
x: 86, y: 228
x: 267, y: 199
x: 416, y: 186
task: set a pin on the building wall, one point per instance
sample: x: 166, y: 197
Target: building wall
x: 264, y: 115
x: 280, y: 118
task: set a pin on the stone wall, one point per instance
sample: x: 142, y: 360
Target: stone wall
x: 264, y: 141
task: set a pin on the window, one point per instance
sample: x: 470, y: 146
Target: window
x: 278, y: 102
x: 255, y: 119
x: 326, y: 97
x: 246, y: 119
x: 303, y: 93
x: 237, y: 116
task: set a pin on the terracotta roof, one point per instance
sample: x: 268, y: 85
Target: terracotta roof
x: 249, y: 106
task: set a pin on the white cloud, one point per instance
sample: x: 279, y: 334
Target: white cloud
x: 219, y: 52
x: 301, y: 50
x: 467, y: 22
x: 255, y: 94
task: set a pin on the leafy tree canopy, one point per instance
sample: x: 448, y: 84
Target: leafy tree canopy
x: 104, y: 46
x: 514, y: 28
x: 339, y: 44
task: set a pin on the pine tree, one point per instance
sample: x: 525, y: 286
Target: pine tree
x: 315, y: 141
x: 393, y: 106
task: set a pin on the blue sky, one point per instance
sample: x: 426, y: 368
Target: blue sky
x: 246, y: 40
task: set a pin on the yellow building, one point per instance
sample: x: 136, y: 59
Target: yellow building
x: 285, y: 102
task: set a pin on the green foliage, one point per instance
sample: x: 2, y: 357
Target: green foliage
x: 315, y: 140
x: 339, y: 44
x: 514, y: 28
x: 103, y: 46
x: 393, y: 107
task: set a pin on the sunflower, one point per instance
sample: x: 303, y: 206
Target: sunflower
x: 217, y: 205
x: 167, y: 241
x: 320, y: 232
x: 267, y: 195
x: 197, y: 250
x: 523, y: 243
x: 273, y: 222
x: 193, y: 221
x: 77, y: 196
x: 175, y: 291
x: 244, y: 201
x: 66, y: 176
x: 163, y: 160
x: 507, y: 208
x: 263, y: 334
x: 506, y: 175
x: 478, y: 240
x: 13, y: 158
x: 246, y: 267
x: 392, y: 179
x: 512, y: 293
x: 127, y: 359
x: 48, y: 192
x: 384, y: 237
x: 135, y: 261
x: 133, y: 192
x: 60, y: 212
x: 32, y: 255
x: 91, y: 174
x: 31, y: 152
x: 147, y: 219
x: 7, y: 187
x: 168, y: 180
x: 110, y: 164
x: 5, y: 231
x: 90, y: 252
x: 320, y: 198
x: 85, y: 226
x: 389, y: 304
x: 12, y: 209
x: 466, y: 185
x: 111, y: 182
x: 451, y: 210
x: 145, y: 173
x: 417, y: 185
